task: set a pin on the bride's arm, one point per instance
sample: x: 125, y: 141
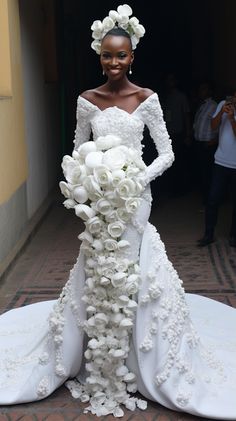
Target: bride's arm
x: 153, y: 118
x: 83, y: 126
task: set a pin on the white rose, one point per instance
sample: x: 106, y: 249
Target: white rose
x: 132, y: 284
x: 69, y: 203
x: 71, y: 170
x: 114, y: 158
x: 112, y: 216
x: 136, y: 159
x: 124, y: 10
x: 87, y: 147
x: 107, y: 142
x: 117, y: 176
x: 113, y: 198
x: 86, y: 237
x: 123, y: 215
x: 100, y: 318
x: 94, y: 225
x: 94, y: 159
x: 65, y: 189
x: 133, y: 21
x: 75, y: 155
x: 97, y: 26
x: 103, y: 175
x: 122, y: 265
x: 80, y: 194
x: 103, y: 206
x: 98, y: 245
x: 110, y: 244
x: 113, y: 15
x: 66, y: 161
x: 132, y: 171
x: 123, y: 245
x: 96, y: 45
x: 134, y: 41
x: 126, y: 188
x: 108, y: 24
x: 93, y: 188
x: 115, y: 229
x: 139, y: 31
x: 130, y: 404
x: 97, y: 35
x: 84, y: 212
x: 123, y: 22
x: 141, y: 404
x: 118, y: 279
x: 132, y: 204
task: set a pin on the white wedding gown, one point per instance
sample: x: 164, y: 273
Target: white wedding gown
x: 183, y: 348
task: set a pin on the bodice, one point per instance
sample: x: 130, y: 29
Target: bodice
x: 129, y: 127
x: 113, y: 120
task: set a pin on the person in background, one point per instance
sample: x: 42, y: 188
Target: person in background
x: 205, y: 138
x: 224, y: 170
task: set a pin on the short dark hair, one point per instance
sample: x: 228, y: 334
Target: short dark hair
x: 120, y: 32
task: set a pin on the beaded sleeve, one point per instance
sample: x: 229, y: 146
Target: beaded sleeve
x: 83, y: 127
x: 153, y: 118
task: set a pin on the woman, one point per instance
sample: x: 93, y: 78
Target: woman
x: 176, y: 350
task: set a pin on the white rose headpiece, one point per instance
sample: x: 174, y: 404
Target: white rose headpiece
x: 117, y: 19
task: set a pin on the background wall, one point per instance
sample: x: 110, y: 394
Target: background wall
x: 29, y: 125
x: 41, y: 101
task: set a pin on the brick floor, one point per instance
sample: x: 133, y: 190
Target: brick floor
x: 44, y: 264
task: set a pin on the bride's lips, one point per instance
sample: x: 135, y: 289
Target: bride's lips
x: 114, y: 71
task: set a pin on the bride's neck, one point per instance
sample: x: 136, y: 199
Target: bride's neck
x: 118, y: 85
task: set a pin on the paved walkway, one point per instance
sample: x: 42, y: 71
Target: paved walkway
x: 44, y: 264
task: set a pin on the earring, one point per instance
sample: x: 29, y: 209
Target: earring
x: 130, y: 70
x: 103, y: 73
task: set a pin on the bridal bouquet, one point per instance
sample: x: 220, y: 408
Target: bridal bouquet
x: 103, y: 185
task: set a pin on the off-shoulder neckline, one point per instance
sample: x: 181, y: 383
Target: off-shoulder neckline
x: 115, y: 106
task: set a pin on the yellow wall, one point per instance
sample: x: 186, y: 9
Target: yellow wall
x: 13, y: 154
x: 5, y: 68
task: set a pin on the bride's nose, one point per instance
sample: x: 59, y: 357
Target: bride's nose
x: 114, y: 61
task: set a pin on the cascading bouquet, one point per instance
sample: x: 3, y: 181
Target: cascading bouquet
x: 104, y: 187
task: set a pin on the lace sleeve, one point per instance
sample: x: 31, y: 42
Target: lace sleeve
x: 83, y: 127
x: 153, y: 118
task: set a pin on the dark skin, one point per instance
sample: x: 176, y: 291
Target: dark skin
x: 116, y: 58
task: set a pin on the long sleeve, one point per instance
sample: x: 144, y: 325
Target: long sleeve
x: 153, y: 118
x: 83, y: 127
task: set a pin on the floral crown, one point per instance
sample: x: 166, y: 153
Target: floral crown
x: 117, y: 19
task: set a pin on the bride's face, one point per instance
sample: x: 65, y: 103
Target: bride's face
x: 116, y: 56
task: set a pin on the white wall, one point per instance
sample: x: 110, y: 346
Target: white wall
x: 41, y: 101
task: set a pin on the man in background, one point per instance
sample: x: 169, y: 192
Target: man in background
x: 224, y: 170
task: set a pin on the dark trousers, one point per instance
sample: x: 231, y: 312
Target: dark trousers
x: 222, y: 178
x: 203, y: 167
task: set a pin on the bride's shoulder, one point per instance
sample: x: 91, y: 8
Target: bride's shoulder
x: 89, y: 95
x: 144, y: 93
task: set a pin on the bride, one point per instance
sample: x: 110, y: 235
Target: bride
x: 123, y: 321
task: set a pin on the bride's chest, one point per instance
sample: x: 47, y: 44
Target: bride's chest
x: 116, y: 121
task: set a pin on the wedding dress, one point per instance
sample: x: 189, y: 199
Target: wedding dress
x: 183, y: 346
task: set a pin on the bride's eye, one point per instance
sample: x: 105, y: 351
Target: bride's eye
x: 105, y: 55
x: 122, y: 55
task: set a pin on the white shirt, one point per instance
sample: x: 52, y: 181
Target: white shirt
x: 226, y: 152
